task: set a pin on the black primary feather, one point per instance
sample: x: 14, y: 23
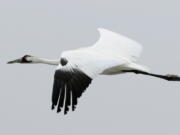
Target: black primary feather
x: 68, y: 87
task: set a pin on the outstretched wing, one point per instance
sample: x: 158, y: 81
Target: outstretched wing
x: 73, y: 76
x: 115, y: 44
x: 69, y: 84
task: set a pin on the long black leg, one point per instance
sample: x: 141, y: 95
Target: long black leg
x: 168, y: 77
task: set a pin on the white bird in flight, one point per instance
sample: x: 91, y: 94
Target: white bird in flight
x: 111, y: 54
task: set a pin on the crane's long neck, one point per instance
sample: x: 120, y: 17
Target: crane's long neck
x: 44, y: 61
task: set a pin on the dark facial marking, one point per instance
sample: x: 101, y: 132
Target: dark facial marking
x: 24, y: 59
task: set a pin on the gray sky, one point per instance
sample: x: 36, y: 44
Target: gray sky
x: 124, y: 104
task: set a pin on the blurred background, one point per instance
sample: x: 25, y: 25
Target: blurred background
x: 126, y: 104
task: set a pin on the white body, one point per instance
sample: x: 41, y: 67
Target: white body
x: 111, y: 54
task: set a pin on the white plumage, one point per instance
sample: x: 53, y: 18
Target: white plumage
x: 117, y: 45
x: 111, y: 54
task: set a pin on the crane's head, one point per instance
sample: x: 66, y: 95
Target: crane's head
x: 24, y: 59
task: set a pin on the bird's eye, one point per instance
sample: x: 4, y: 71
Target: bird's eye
x: 63, y: 61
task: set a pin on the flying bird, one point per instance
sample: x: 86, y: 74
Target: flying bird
x: 111, y: 54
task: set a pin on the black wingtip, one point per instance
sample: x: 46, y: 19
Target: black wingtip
x: 66, y: 110
x: 58, y: 110
x: 68, y: 85
x: 52, y: 107
x: 73, y: 108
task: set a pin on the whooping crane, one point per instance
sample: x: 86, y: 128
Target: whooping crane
x: 111, y: 54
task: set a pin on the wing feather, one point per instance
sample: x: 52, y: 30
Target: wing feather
x: 68, y: 98
x: 56, y: 92
x: 68, y: 84
x: 115, y: 44
x: 61, y: 98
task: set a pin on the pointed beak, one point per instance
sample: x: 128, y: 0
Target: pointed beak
x: 14, y: 61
